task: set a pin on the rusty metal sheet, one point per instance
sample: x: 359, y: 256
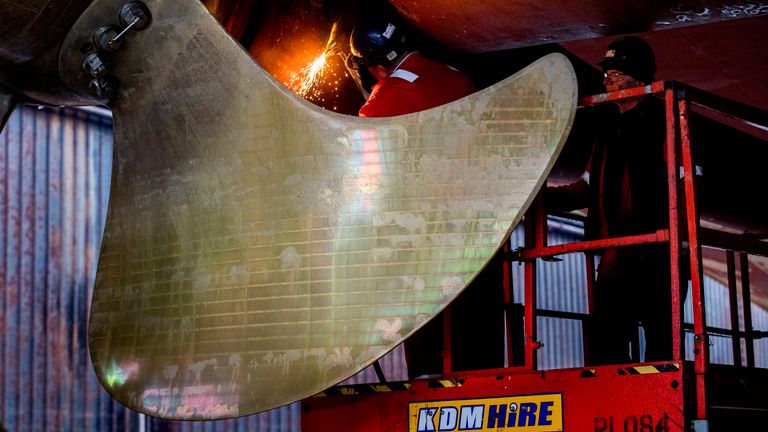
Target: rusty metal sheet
x: 54, y: 184
x: 259, y: 249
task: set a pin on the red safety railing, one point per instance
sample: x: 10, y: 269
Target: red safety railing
x: 681, y: 233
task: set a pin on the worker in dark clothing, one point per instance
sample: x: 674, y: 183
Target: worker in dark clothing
x: 407, y: 82
x: 624, y: 189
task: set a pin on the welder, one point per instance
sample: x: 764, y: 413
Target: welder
x: 406, y: 81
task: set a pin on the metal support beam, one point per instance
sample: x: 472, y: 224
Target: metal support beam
x: 674, y: 230
x: 746, y: 301
x: 733, y: 303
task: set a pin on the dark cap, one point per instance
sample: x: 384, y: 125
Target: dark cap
x: 631, y: 55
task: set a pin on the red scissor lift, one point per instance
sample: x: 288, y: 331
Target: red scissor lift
x: 676, y: 395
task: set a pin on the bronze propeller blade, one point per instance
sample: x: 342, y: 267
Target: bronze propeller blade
x: 259, y: 249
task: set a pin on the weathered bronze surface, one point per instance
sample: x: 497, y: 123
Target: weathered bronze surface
x: 259, y: 249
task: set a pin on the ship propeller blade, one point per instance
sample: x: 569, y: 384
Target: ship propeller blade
x: 259, y: 249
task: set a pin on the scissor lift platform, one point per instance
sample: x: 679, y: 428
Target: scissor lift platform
x: 647, y: 397
x: 677, y: 395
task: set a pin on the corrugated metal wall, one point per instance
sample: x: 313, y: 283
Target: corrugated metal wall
x: 54, y: 183
x: 55, y: 167
x: 561, y: 286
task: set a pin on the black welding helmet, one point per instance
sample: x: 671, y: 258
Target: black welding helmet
x: 378, y: 40
x: 631, y: 55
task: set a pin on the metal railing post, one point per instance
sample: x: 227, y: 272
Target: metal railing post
x: 670, y: 147
x: 701, y: 341
x: 733, y: 303
x: 746, y: 301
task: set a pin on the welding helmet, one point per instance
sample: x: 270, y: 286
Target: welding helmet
x: 631, y: 55
x: 378, y: 41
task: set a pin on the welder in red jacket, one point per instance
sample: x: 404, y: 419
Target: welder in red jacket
x: 408, y: 82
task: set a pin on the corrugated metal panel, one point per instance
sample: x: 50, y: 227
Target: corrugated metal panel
x: 718, y: 315
x: 54, y: 170
x: 561, y: 286
x: 760, y: 322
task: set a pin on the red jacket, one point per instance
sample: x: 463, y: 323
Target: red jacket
x: 417, y: 84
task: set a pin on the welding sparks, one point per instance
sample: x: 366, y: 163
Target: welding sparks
x: 317, y: 77
x: 309, y: 76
